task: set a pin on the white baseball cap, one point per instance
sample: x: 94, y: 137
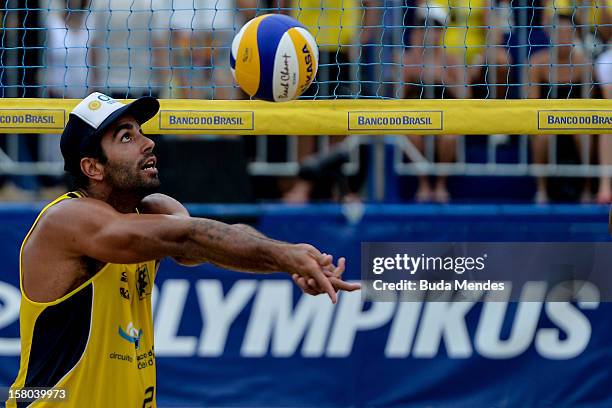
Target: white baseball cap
x: 91, y: 118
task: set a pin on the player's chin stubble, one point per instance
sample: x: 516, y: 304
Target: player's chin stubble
x: 125, y: 177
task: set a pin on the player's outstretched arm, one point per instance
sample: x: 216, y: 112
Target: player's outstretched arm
x: 94, y: 229
x: 163, y: 204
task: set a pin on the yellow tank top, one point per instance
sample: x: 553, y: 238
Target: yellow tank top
x: 96, y: 342
x: 589, y: 13
x: 331, y: 22
x: 465, y: 35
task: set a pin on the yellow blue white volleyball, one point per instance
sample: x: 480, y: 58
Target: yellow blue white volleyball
x: 274, y: 58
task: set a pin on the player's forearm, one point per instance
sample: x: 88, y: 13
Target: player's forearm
x: 235, y: 247
x: 250, y: 230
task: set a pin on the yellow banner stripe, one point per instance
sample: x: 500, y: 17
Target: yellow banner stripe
x: 340, y: 117
x: 210, y: 120
x: 35, y: 119
x: 394, y: 121
x: 575, y: 119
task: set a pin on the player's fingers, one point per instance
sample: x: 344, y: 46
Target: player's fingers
x: 329, y: 270
x: 317, y: 255
x: 343, y: 285
x: 325, y: 260
x: 312, y: 285
x: 337, y: 283
x: 308, y: 290
x: 325, y: 284
x: 313, y: 292
x: 301, y: 283
x: 341, y: 267
x: 335, y: 271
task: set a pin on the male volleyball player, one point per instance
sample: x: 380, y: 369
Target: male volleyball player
x: 89, y: 261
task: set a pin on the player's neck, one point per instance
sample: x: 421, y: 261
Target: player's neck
x: 123, y: 202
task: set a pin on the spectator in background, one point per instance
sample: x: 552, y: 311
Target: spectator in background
x: 557, y: 74
x: 593, y: 25
x: 67, y: 62
x: 21, y: 60
x: 129, y: 48
x: 474, y: 35
x: 2, y: 93
x: 200, y: 39
x: 66, y: 54
x: 604, y: 77
x: 335, y: 24
x: 433, y: 72
x: 603, y: 70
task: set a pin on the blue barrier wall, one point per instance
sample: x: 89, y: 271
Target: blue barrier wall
x: 230, y: 339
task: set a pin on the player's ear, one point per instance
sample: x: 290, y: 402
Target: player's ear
x: 92, y: 168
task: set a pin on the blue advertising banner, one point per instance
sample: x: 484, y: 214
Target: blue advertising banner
x: 224, y: 338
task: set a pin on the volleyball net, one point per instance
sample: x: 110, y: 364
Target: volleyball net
x: 456, y: 67
x: 369, y: 49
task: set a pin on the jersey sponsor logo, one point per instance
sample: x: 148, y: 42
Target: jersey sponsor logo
x: 120, y: 357
x: 206, y: 120
x: 131, y: 334
x: 124, y: 291
x: 395, y: 120
x: 32, y: 118
x: 143, y: 282
x: 146, y: 359
x: 575, y: 119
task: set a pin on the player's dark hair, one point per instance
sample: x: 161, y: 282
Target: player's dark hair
x: 77, y: 178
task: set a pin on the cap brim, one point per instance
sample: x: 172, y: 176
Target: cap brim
x: 142, y: 109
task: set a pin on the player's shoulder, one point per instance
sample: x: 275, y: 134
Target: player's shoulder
x: 162, y: 204
x: 74, y: 213
x: 80, y: 204
x: 159, y: 196
x: 66, y: 223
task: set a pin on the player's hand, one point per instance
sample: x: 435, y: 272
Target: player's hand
x: 333, y: 273
x: 309, y: 263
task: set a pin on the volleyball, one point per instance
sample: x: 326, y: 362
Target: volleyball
x: 274, y: 58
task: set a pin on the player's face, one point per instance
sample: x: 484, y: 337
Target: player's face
x: 131, y: 164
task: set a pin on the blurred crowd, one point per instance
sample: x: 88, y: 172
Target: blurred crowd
x: 435, y: 49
